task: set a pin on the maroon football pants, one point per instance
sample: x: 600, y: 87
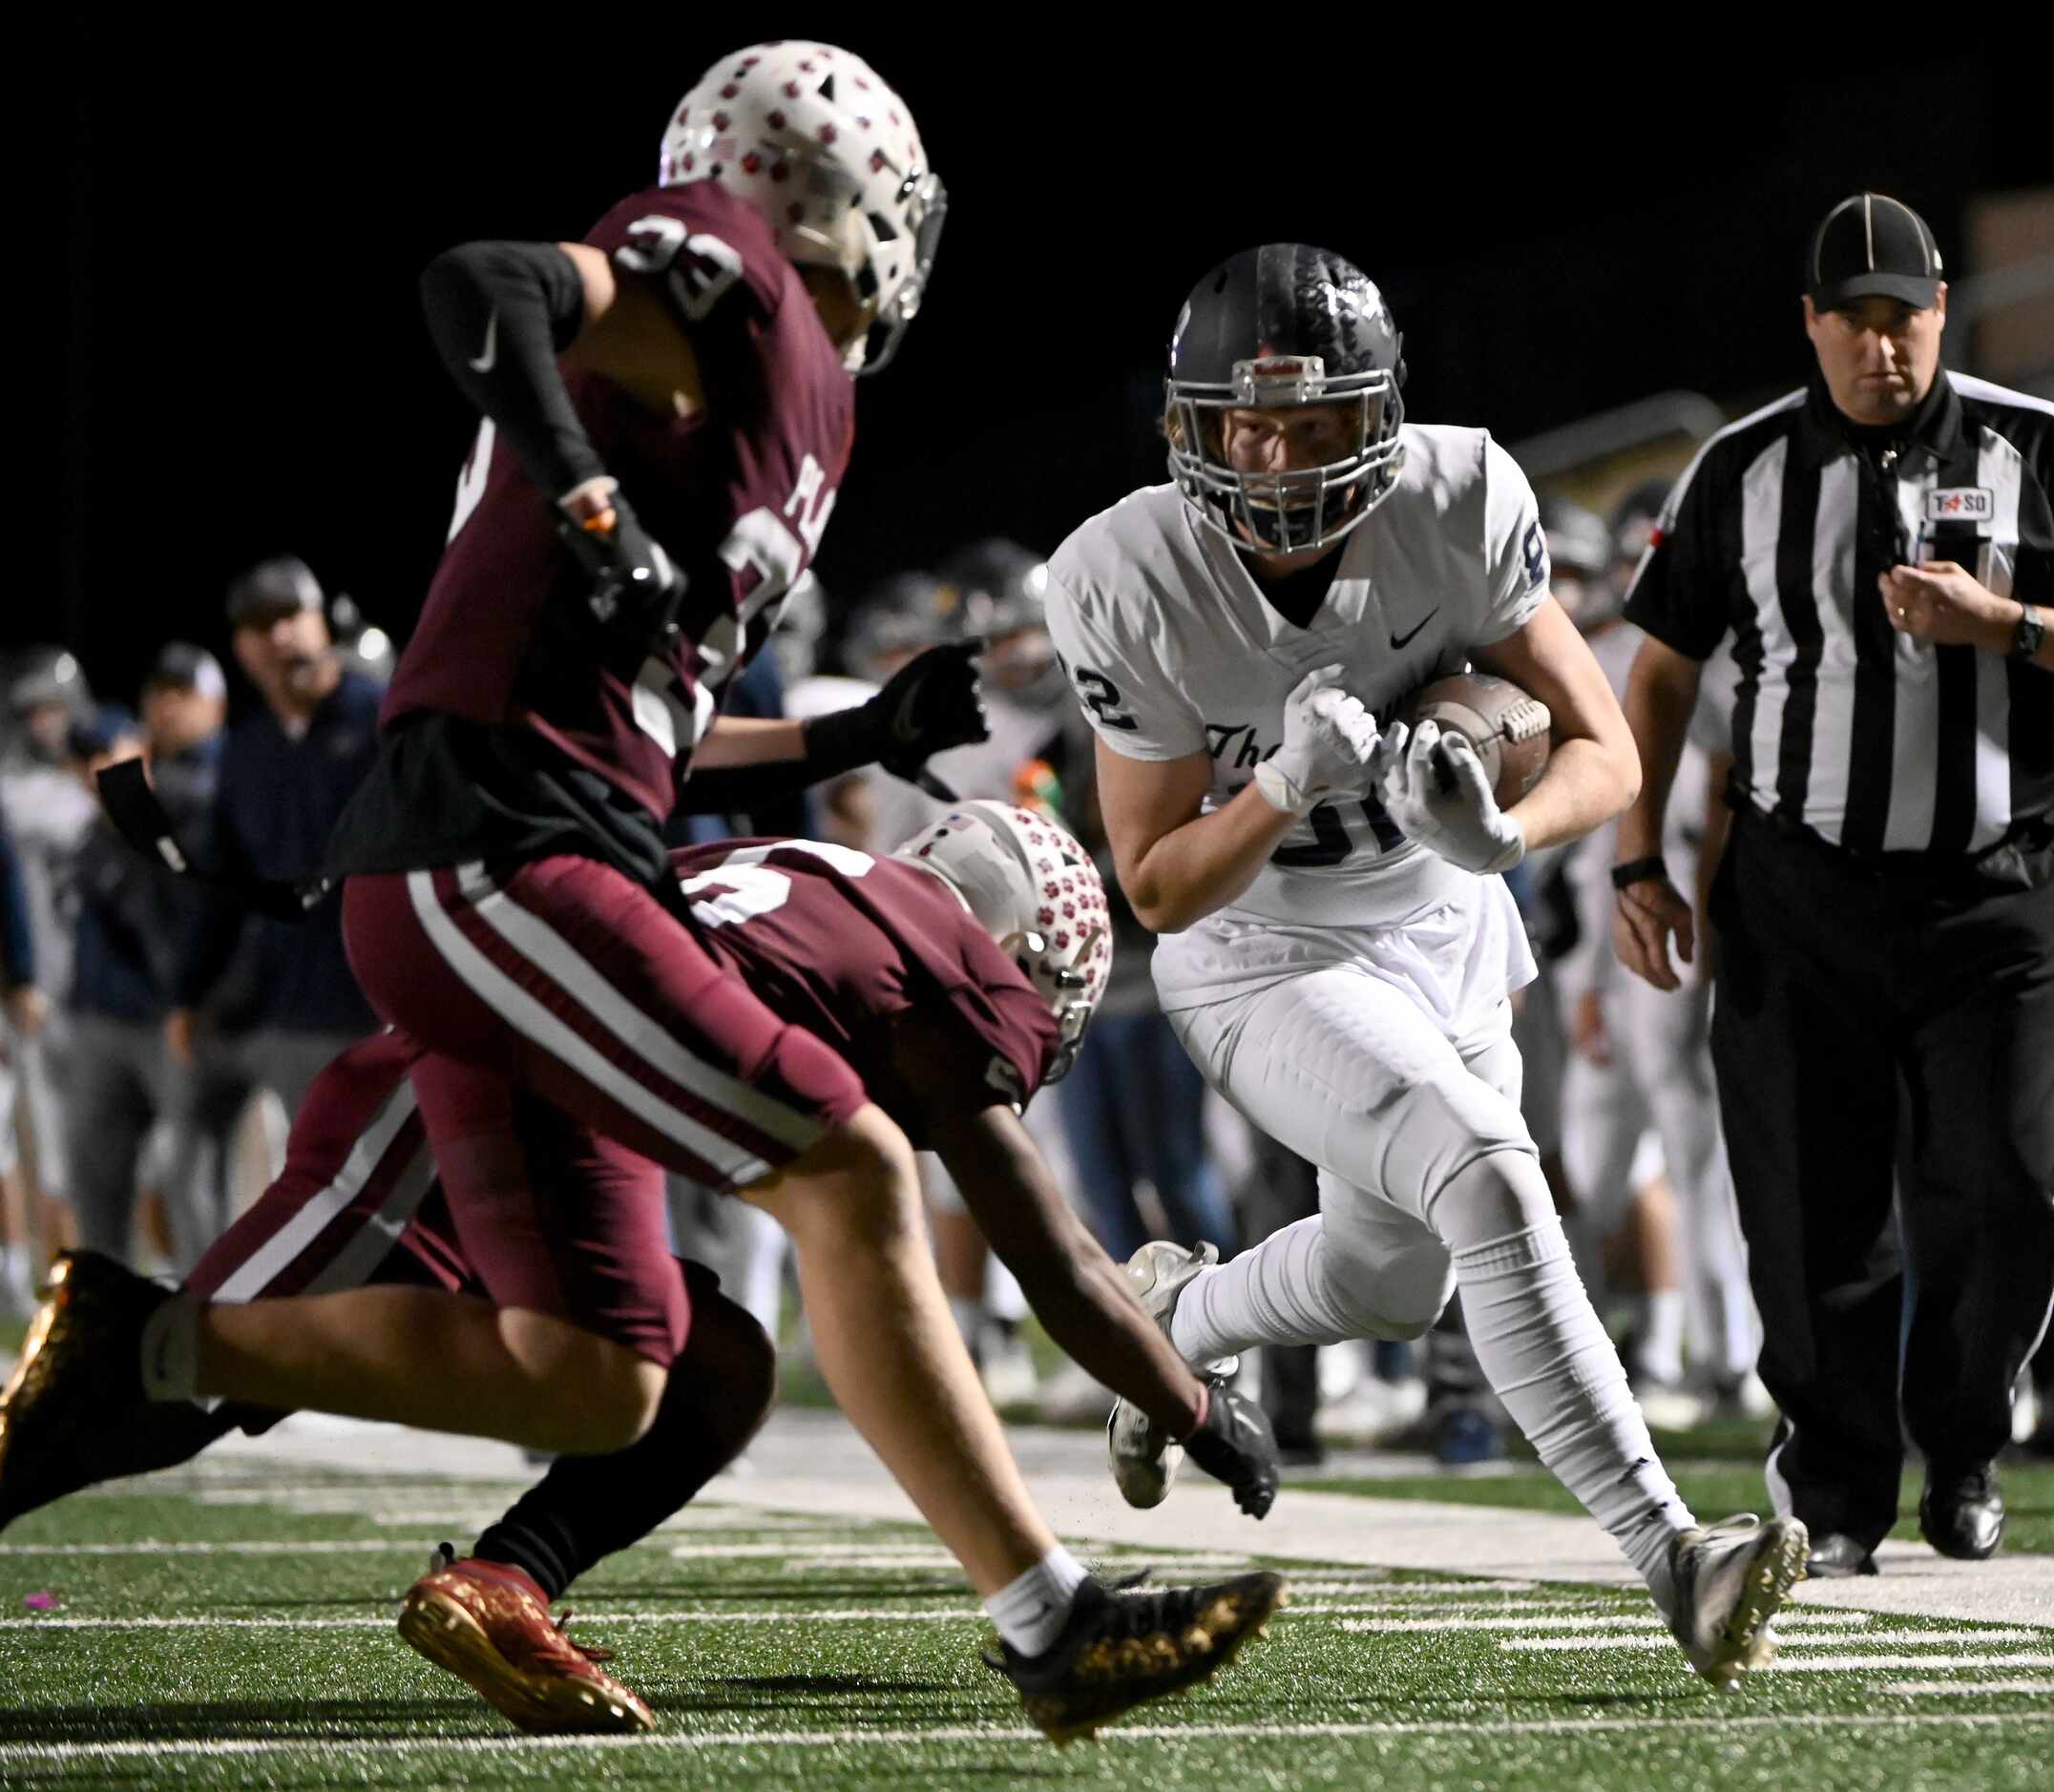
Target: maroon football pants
x: 567, y: 980
x: 535, y: 1212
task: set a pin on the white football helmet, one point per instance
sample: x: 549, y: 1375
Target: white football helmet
x: 828, y: 154
x: 1036, y: 892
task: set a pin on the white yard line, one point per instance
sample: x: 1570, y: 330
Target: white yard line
x: 1961, y: 1689
x: 1868, y: 1665
x: 1867, y: 1638
x: 1459, y: 1731
x: 1837, y: 1621
x: 355, y: 1546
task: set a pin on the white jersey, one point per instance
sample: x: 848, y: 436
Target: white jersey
x: 1173, y: 650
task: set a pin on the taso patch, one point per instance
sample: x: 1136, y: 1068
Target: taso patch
x: 1960, y: 503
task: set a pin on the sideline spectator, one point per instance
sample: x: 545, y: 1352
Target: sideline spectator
x: 133, y: 913
x: 286, y: 773
x: 21, y: 999
x: 49, y: 811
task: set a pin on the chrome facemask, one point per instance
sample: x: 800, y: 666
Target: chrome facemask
x: 929, y: 211
x: 1310, y: 506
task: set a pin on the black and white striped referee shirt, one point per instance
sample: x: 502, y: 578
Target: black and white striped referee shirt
x: 1777, y: 534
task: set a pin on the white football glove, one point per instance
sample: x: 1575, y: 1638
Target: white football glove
x: 1327, y: 740
x: 1433, y: 786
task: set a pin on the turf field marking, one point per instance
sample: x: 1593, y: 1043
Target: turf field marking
x: 355, y: 1546
x: 1867, y: 1638
x: 1629, y: 1622
x: 1867, y: 1664
x: 1962, y: 1689
x: 1455, y: 1730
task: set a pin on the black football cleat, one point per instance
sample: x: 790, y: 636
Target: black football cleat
x: 1124, y: 1647
x: 74, y: 1411
x: 1838, y: 1556
x: 1961, y: 1513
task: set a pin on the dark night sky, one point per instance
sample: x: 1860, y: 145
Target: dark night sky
x: 239, y: 368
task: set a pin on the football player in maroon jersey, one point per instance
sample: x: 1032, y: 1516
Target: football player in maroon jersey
x: 956, y: 977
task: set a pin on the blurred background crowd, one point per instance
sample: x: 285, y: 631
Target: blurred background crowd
x: 157, y: 1038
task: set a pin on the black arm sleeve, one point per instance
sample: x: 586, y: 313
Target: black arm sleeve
x: 501, y: 313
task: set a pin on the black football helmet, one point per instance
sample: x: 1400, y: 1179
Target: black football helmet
x: 1285, y: 324
x: 1002, y: 597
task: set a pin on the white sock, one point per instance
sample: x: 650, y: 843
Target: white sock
x: 1031, y: 1612
x: 1662, y: 1334
x: 171, y: 1349
x: 1277, y: 1293
x: 1547, y: 1357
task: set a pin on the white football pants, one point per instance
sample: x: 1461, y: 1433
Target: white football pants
x: 1428, y: 1179
x: 1661, y: 1077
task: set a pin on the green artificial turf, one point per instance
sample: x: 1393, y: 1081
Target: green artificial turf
x: 789, y: 1652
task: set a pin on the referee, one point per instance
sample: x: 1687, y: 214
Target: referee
x: 1878, y: 549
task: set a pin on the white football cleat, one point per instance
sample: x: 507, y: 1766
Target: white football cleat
x: 1144, y: 1462
x: 1726, y: 1583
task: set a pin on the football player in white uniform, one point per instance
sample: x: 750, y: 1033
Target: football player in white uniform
x: 1337, y: 948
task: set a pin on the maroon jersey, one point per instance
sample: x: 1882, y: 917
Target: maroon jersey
x: 841, y: 943
x: 739, y: 494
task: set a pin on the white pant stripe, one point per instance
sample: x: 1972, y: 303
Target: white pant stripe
x: 539, y: 943
x: 284, y: 1245
x: 355, y: 1264
x: 522, y: 1011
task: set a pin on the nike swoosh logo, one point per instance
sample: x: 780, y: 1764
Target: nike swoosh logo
x: 484, y: 363
x: 1400, y: 642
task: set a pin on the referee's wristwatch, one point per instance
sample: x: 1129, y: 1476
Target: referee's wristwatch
x: 2030, y: 632
x: 1639, y: 870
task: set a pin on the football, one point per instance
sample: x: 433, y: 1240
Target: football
x: 1508, y: 728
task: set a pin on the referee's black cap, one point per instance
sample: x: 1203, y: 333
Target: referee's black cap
x: 1872, y: 245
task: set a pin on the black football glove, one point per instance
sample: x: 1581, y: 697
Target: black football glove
x: 933, y: 702
x: 1235, y: 1445
x: 635, y: 587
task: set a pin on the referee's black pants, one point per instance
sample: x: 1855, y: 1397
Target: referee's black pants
x: 1872, y: 1029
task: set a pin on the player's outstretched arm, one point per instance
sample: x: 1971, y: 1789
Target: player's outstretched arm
x: 1593, y: 772
x: 931, y: 703
x: 1080, y: 1296
x: 1087, y: 1305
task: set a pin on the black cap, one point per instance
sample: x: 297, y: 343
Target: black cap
x: 1873, y: 246
x: 271, y: 587
x: 185, y: 667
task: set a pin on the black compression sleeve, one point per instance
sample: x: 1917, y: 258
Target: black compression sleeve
x: 501, y: 313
